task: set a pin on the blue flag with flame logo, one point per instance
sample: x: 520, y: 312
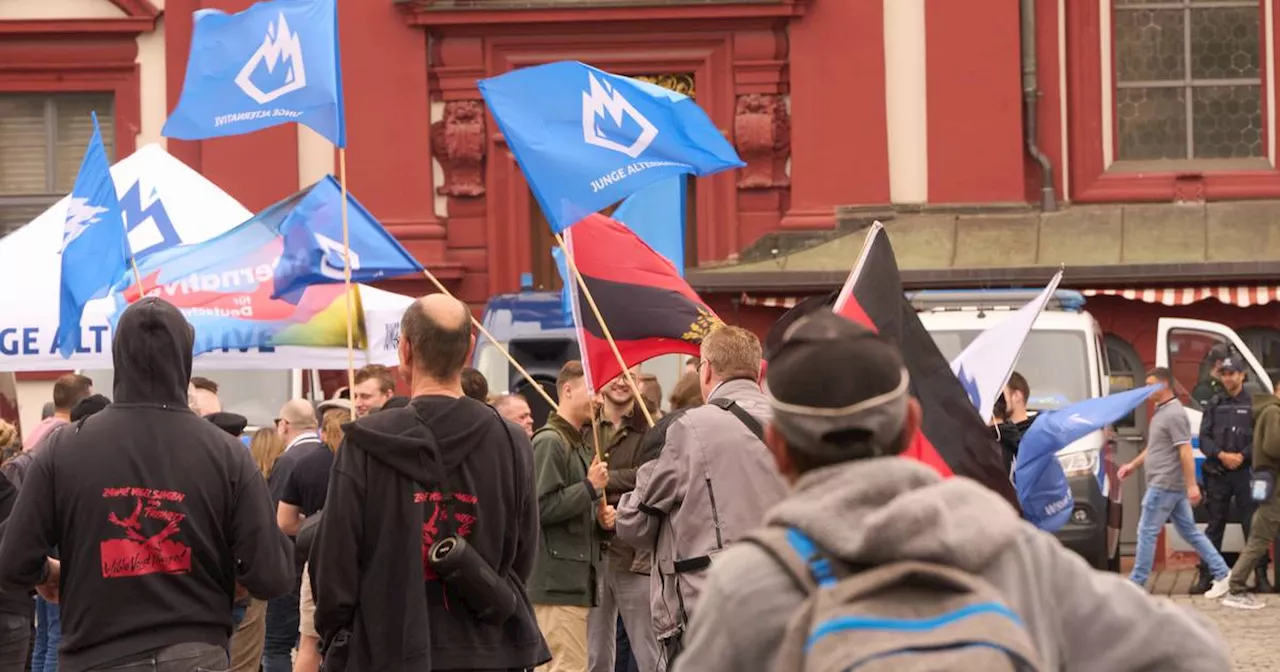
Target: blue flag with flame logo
x: 1043, y: 490
x: 271, y: 64
x: 95, y: 249
x: 587, y: 139
x: 313, y: 251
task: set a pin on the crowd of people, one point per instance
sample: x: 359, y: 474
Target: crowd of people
x: 763, y: 521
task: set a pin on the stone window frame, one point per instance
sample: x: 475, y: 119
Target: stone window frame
x: 1095, y: 174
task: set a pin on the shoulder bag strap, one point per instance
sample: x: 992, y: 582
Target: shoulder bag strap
x: 744, y: 417
x: 446, y: 492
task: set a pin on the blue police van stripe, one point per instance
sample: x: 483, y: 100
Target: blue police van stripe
x: 847, y: 623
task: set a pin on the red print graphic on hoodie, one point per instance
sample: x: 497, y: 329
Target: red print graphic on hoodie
x: 147, y: 546
x: 463, y: 507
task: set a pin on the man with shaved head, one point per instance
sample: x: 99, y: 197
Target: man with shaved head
x: 296, y: 426
x: 445, y: 480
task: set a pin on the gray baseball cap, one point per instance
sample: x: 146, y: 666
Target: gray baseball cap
x: 839, y: 391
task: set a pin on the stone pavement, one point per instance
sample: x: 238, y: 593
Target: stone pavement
x: 1250, y: 634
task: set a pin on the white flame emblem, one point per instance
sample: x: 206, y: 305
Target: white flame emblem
x: 603, y: 99
x: 80, y: 216
x: 279, y: 46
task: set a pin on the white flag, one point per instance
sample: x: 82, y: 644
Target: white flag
x: 985, y: 366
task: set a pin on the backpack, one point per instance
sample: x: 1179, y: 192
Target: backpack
x: 901, y: 616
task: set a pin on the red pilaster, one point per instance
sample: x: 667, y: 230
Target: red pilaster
x: 974, y: 102
x: 839, y: 146
x: 384, y: 63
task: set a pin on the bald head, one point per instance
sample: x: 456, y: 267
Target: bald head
x: 435, y: 335
x: 299, y: 413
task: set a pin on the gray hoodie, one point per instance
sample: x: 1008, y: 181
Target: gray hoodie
x: 887, y: 509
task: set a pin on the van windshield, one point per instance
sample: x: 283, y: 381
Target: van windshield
x: 1055, y: 364
x: 257, y: 395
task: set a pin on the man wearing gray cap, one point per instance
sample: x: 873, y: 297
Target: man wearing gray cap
x: 842, y: 415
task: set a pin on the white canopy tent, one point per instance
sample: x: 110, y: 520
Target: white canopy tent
x: 166, y: 202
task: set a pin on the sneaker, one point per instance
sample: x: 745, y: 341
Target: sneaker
x: 1242, y: 601
x: 1218, y: 588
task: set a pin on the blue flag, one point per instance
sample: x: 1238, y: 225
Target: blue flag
x: 271, y: 64
x: 587, y: 139
x: 656, y: 214
x: 1042, y: 485
x: 312, y: 230
x: 95, y: 248
x: 566, y: 279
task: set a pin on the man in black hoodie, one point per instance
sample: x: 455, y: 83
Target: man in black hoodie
x: 446, y: 465
x: 156, y: 514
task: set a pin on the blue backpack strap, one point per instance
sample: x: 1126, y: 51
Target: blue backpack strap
x: 819, y: 564
x: 807, y: 565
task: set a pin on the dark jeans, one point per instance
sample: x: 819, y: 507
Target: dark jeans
x: 282, y: 633
x: 15, y: 636
x: 44, y: 657
x: 623, y: 661
x: 177, y: 658
x: 1219, y: 491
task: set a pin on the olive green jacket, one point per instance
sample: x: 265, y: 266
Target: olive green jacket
x: 569, y: 551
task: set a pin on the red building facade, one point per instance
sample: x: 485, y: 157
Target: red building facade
x: 902, y: 104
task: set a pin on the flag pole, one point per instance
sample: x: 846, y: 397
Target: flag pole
x: 485, y: 332
x: 591, y: 302
x: 137, y: 276
x: 346, y: 279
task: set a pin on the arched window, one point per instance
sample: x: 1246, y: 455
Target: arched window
x: 1264, y: 342
x: 1127, y: 372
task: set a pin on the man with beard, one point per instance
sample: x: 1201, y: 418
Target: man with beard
x: 624, y: 579
x: 156, y: 513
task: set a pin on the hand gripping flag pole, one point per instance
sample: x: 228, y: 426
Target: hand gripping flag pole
x: 613, y: 345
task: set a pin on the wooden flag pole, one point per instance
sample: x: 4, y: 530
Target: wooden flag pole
x: 346, y: 280
x: 591, y: 302
x: 485, y: 332
x: 137, y: 275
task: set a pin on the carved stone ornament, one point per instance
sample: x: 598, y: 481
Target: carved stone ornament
x: 762, y: 131
x: 458, y: 142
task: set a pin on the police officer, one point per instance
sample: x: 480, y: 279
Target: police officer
x: 1226, y: 439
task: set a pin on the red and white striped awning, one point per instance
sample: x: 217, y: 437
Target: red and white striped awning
x: 1242, y: 296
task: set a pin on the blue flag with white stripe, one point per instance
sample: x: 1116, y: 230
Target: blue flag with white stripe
x: 95, y: 248
x: 587, y: 139
x: 271, y: 64
x: 1042, y: 485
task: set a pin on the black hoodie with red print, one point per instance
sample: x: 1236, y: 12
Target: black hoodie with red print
x: 156, y: 513
x: 383, y: 511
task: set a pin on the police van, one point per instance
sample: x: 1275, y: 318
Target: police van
x: 1065, y: 362
x: 1186, y: 347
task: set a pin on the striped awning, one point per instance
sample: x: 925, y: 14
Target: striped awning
x: 1242, y: 296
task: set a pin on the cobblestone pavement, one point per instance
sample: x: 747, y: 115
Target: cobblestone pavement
x: 1251, y: 650
x: 1242, y: 629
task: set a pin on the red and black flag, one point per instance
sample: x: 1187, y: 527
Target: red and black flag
x: 649, y: 308
x: 953, y: 440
